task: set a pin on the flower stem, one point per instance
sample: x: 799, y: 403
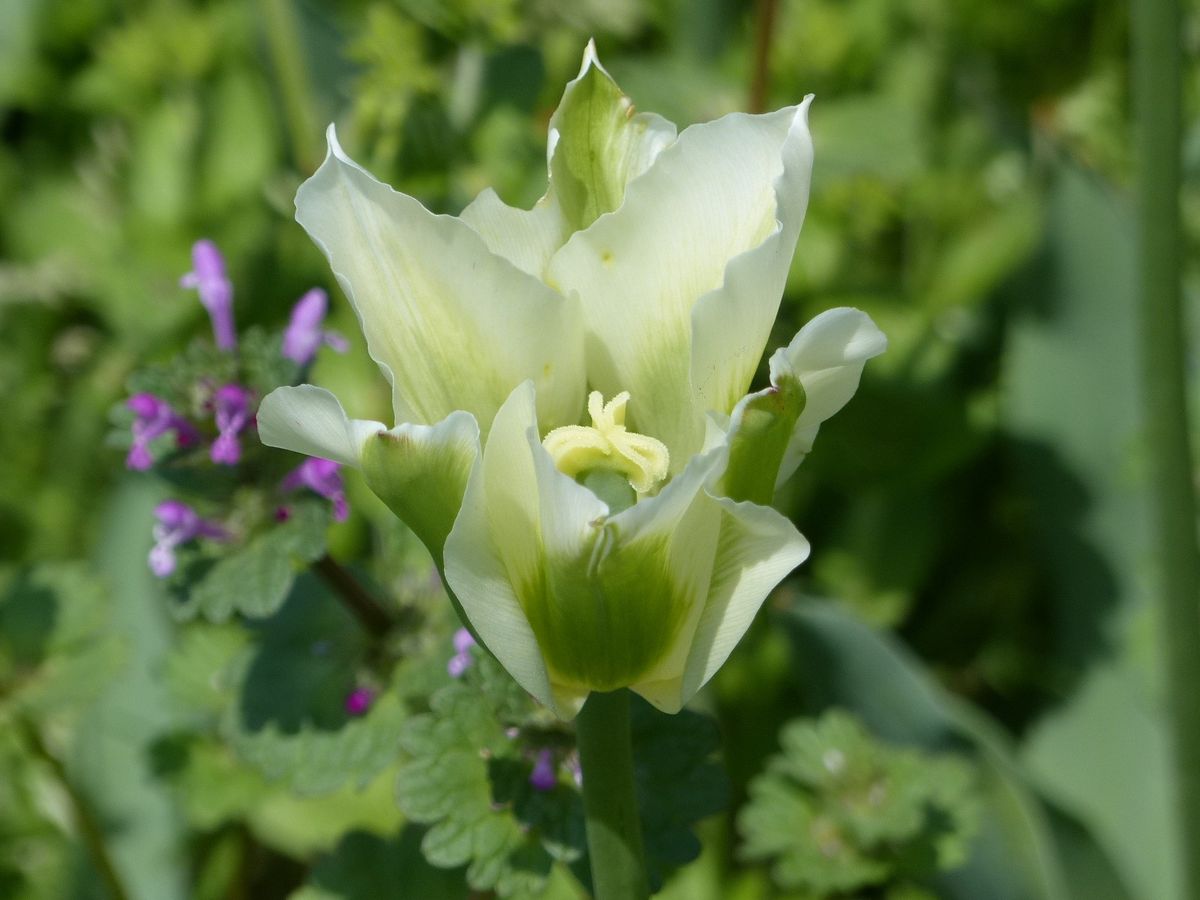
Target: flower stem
x: 1157, y: 106
x: 614, y: 831
x: 764, y: 29
x: 89, y: 826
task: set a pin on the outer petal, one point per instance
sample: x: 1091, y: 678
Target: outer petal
x: 827, y: 356
x: 421, y: 473
x: 452, y: 325
x: 310, y: 420
x: 640, y: 272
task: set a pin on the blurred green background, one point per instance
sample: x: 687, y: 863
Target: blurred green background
x: 980, y: 567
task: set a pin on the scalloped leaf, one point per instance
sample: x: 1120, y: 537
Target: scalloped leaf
x: 366, y: 866
x: 468, y: 777
x: 838, y: 811
x: 290, y: 719
x: 253, y: 579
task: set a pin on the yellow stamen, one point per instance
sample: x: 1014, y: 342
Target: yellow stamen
x: 606, y: 444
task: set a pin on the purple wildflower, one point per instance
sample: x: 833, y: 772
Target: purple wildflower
x: 304, y: 333
x: 321, y: 476
x: 461, y: 660
x: 154, y: 417
x: 359, y: 701
x: 544, y: 776
x: 216, y: 291
x: 231, y: 409
x: 177, y: 524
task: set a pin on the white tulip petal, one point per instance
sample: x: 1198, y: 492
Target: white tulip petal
x: 757, y: 548
x: 421, y: 473
x: 496, y: 544
x: 827, y: 355
x: 640, y: 271
x: 731, y: 325
x: 452, y: 325
x: 310, y: 420
x: 527, y: 238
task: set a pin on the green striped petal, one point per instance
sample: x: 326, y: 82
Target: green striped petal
x: 679, y: 286
x: 826, y: 357
x: 310, y: 420
x: 451, y: 324
x: 421, y: 473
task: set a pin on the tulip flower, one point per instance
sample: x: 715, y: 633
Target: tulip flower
x: 574, y: 442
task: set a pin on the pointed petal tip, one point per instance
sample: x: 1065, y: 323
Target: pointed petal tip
x: 590, y: 58
x: 334, y: 147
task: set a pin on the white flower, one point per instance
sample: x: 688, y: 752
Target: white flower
x: 590, y: 545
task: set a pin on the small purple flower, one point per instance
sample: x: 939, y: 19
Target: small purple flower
x: 322, y: 476
x: 304, y: 333
x: 544, y: 776
x: 231, y: 409
x: 359, y: 701
x: 461, y: 660
x: 154, y: 417
x: 216, y: 291
x: 177, y: 524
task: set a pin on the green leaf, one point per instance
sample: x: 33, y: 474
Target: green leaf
x: 1103, y: 756
x: 1015, y: 855
x: 366, y: 866
x: 290, y: 720
x: 57, y: 651
x: 255, y: 579
x: 838, y: 811
x: 468, y: 770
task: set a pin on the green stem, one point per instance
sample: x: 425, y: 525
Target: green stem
x: 1156, y: 95
x: 89, y: 826
x: 282, y: 34
x: 760, y: 79
x: 614, y: 831
x: 373, y: 617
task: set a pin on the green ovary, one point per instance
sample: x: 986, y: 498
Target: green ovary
x: 604, y: 625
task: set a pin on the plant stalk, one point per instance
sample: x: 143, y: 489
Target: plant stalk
x: 85, y: 819
x: 614, y: 831
x: 1157, y: 109
x: 282, y: 34
x: 373, y: 617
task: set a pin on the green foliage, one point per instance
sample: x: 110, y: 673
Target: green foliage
x: 252, y: 578
x: 836, y: 811
x: 978, y: 497
x: 468, y: 777
x: 57, y: 648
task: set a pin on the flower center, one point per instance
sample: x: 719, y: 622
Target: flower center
x: 606, y: 445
